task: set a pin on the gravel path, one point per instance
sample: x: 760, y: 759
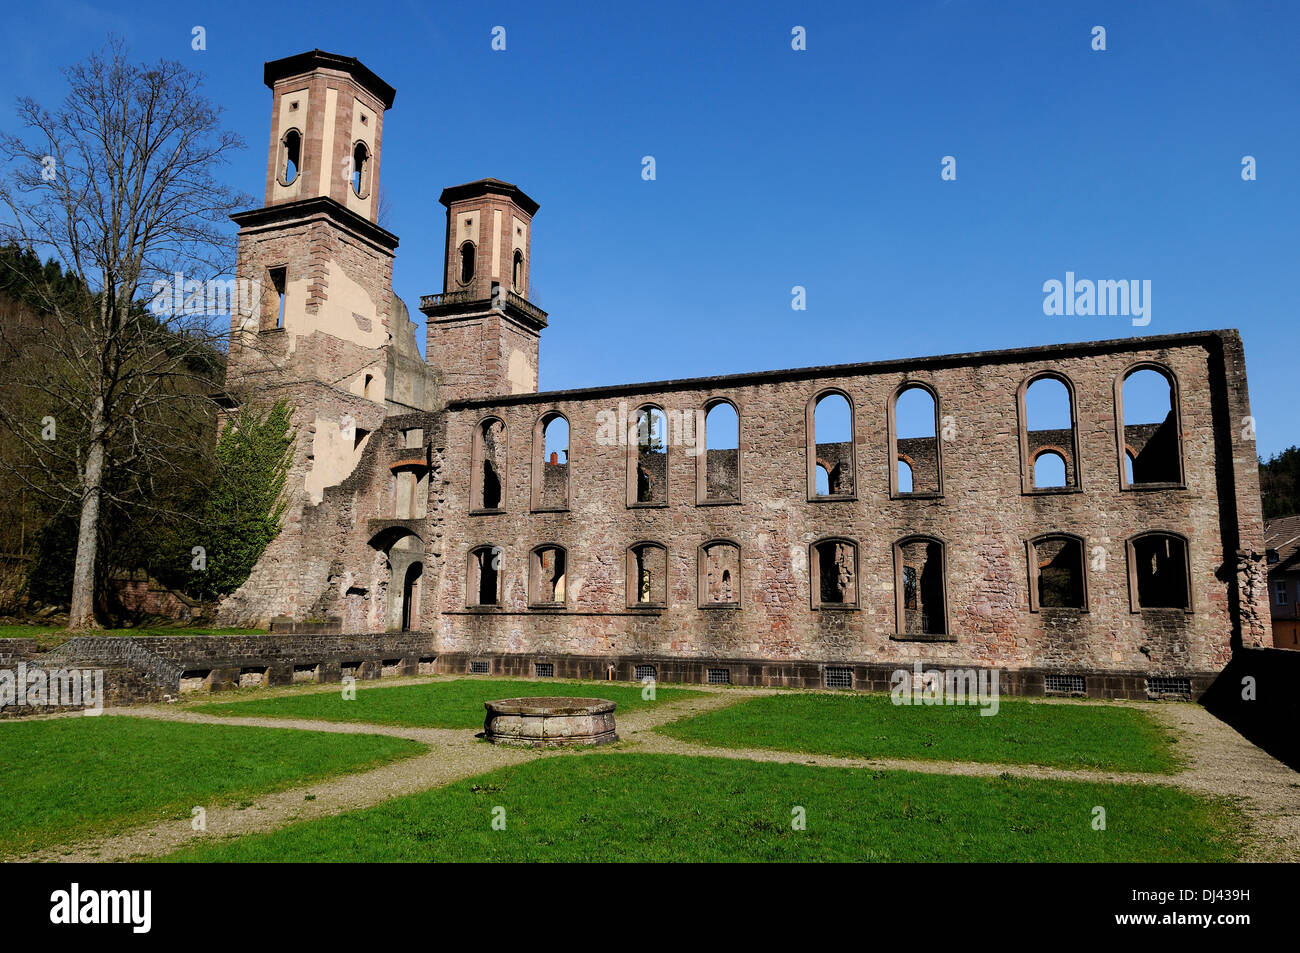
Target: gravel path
x: 1220, y: 762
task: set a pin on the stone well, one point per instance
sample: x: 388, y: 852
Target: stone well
x: 550, y: 722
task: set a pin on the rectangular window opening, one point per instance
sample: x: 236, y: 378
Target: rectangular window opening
x: 1058, y: 684
x: 839, y: 678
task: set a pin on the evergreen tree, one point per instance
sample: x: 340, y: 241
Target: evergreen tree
x: 246, y: 504
x: 1279, y: 484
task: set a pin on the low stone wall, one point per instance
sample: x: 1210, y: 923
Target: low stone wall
x: 807, y: 674
x: 142, y: 669
x: 212, y: 651
x: 122, y: 686
x: 13, y: 651
x: 286, y: 626
x: 220, y: 663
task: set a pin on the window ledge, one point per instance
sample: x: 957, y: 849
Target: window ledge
x: 720, y: 605
x: 834, y: 498
x: 917, y: 637
x: 835, y: 607
x: 279, y: 330
x: 482, y: 512
x: 549, y: 509
x: 1051, y: 490
x: 916, y: 496
x: 647, y: 506
x: 1062, y: 610
x: 1143, y: 487
x: 648, y: 608
x: 717, y: 502
x: 558, y: 607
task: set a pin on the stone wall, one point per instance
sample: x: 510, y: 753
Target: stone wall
x: 1133, y: 685
x: 141, y: 669
x: 984, y: 520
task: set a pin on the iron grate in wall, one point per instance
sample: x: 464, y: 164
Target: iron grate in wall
x: 1166, y: 685
x: 839, y: 678
x: 719, y: 676
x: 1066, y: 684
x: 544, y: 669
x: 645, y: 671
x: 479, y: 668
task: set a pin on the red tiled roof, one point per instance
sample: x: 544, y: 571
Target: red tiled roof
x: 1283, y: 536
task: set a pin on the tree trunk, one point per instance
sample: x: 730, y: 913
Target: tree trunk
x: 81, y: 615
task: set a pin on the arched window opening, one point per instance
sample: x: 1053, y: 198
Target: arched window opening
x: 915, y: 442
x: 291, y: 152
x: 517, y: 273
x: 549, y: 568
x: 1150, y: 411
x: 1057, y: 573
x: 647, y: 575
x: 489, y: 463
x: 1159, y: 572
x: 832, y: 448
x: 1048, y: 423
x: 648, y: 458
x: 719, y: 574
x: 551, y: 463
x: 720, y: 458
x: 920, y: 588
x: 411, y: 597
x: 834, y: 573
x: 466, y: 263
x: 485, y: 576
x: 904, y: 475
x: 360, y: 170
x: 1050, y: 470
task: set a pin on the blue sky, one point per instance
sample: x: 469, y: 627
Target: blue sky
x: 819, y: 168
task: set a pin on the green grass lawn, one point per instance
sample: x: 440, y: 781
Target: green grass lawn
x: 456, y: 703
x: 65, y: 778
x: 630, y: 807
x: 871, y: 726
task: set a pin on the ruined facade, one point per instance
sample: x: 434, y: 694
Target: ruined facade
x: 612, y: 531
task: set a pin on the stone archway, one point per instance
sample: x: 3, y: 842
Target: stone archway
x: 404, y: 558
x: 411, y: 590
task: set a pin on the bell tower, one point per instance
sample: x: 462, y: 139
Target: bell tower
x: 322, y: 327
x: 483, y: 332
x: 320, y: 264
x: 327, y: 122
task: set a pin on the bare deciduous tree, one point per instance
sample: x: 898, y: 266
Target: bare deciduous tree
x: 120, y: 186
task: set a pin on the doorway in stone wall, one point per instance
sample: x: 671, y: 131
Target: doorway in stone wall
x: 411, y: 596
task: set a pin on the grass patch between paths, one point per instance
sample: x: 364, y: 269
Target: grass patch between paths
x: 1097, y: 736
x: 642, y: 807
x: 66, y: 778
x: 455, y: 703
